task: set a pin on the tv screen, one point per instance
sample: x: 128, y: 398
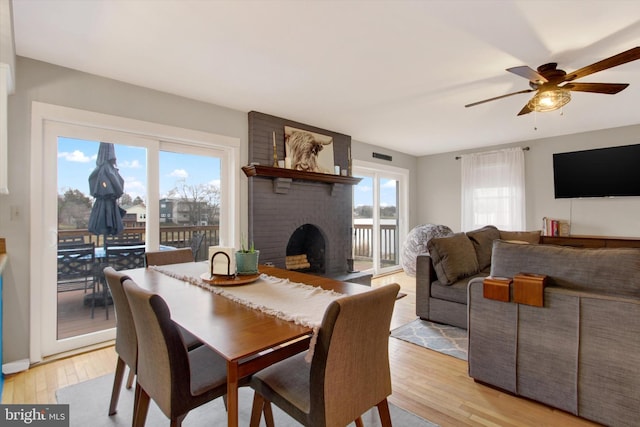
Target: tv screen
x: 602, y: 172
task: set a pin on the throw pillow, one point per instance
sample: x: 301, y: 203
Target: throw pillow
x: 482, y: 240
x: 523, y: 236
x: 453, y: 258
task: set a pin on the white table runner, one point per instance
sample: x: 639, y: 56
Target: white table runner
x: 295, y: 302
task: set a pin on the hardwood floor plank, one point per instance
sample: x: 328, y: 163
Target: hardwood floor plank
x: 427, y: 383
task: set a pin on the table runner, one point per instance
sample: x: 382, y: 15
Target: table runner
x: 295, y: 302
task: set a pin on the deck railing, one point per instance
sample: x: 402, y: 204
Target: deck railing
x: 177, y: 236
x: 363, y: 243
x: 182, y: 236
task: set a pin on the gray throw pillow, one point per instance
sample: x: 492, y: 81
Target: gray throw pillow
x: 482, y: 240
x: 453, y: 258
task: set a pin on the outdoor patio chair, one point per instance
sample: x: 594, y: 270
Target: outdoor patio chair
x: 76, y: 270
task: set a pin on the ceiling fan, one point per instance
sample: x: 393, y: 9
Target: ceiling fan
x: 554, y: 86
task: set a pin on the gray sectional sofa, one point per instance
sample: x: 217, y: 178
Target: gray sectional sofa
x: 442, y: 276
x: 580, y: 352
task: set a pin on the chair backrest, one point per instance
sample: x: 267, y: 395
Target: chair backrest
x: 126, y: 340
x: 133, y: 238
x: 350, y: 367
x: 169, y: 257
x: 163, y: 362
x: 76, y: 261
x: 125, y: 257
x: 196, y: 241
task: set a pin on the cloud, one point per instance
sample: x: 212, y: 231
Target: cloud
x: 390, y: 183
x: 179, y: 173
x: 134, y: 164
x: 75, y: 156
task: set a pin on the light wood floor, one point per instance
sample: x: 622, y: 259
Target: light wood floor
x: 427, y: 383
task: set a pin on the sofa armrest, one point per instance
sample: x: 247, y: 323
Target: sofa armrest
x: 425, y: 275
x: 560, y: 354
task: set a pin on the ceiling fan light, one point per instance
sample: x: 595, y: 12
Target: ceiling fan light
x: 549, y: 100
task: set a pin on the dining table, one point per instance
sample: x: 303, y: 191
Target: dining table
x: 248, y: 339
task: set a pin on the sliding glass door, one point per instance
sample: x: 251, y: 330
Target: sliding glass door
x: 176, y: 194
x: 379, y: 217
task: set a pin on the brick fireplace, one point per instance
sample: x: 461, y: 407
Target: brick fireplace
x: 291, y: 217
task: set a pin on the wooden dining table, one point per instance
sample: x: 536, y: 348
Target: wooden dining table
x: 248, y: 339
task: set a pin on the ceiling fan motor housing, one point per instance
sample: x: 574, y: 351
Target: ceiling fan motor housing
x: 549, y: 72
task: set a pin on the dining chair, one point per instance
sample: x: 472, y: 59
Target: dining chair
x: 349, y: 371
x: 176, y: 379
x: 176, y: 256
x: 126, y: 340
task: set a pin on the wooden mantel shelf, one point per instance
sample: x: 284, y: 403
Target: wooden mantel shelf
x: 271, y: 172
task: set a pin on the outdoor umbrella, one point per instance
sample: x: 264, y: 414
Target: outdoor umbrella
x: 107, y: 186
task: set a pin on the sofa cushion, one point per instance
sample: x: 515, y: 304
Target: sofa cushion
x: 613, y: 271
x: 457, y: 291
x: 453, y: 257
x: 521, y: 236
x: 482, y: 240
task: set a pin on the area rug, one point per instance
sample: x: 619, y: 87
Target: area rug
x: 89, y: 402
x: 435, y: 336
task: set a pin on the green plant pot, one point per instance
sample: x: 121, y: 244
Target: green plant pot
x: 247, y: 262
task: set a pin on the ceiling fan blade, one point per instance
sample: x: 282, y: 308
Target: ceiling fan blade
x: 500, y: 97
x: 528, y: 73
x: 525, y: 110
x: 607, y: 88
x: 614, y: 61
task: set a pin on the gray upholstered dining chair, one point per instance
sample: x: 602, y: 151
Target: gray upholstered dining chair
x: 126, y: 340
x: 176, y: 256
x: 349, y: 371
x: 176, y: 379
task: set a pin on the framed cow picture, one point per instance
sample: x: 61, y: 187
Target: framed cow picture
x: 308, y: 151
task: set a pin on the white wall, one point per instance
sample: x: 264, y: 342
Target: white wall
x: 439, y: 181
x: 39, y: 81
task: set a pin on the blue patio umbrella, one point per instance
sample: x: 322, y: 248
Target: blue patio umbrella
x: 106, y: 186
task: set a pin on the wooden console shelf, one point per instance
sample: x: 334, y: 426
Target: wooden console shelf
x: 592, y: 241
x: 271, y: 172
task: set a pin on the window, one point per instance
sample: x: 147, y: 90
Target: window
x: 493, y: 191
x: 156, y: 144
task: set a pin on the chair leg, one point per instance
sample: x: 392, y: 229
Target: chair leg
x: 359, y: 422
x: 132, y: 375
x: 141, y: 407
x: 256, y: 410
x: 117, y: 384
x: 268, y: 414
x: 177, y: 422
x: 385, y: 416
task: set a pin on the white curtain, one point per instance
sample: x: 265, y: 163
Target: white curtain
x: 493, y: 190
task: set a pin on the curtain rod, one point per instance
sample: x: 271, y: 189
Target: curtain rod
x: 523, y: 149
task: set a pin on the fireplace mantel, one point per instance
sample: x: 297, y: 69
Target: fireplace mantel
x: 271, y: 172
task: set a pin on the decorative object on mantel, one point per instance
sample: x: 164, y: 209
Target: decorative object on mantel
x: 309, y: 151
x: 275, y: 151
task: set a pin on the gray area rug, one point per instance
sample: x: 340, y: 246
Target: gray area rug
x: 89, y: 402
x: 435, y: 336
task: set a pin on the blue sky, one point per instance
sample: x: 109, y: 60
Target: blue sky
x: 363, y: 192
x: 77, y: 158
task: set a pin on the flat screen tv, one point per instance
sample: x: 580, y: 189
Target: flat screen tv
x: 602, y: 172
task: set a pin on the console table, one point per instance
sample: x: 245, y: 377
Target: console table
x: 592, y: 241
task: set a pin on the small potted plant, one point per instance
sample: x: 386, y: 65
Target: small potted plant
x: 247, y: 259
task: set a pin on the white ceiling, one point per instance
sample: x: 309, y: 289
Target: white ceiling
x: 391, y: 73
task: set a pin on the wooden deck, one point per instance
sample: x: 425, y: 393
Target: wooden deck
x: 74, y: 316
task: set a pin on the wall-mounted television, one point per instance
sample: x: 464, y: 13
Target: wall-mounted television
x: 602, y: 172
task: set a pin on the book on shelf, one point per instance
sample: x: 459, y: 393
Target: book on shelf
x: 555, y: 227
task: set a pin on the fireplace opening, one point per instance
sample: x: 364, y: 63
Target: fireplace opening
x: 306, y: 250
